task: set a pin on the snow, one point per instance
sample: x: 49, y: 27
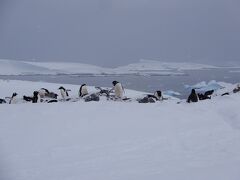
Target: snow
x: 109, y: 140
x: 143, y: 67
x: 211, y: 85
x: 234, y: 71
x: 18, y: 67
x: 71, y: 68
x: 147, y: 65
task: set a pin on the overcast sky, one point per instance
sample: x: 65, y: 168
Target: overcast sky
x: 118, y: 32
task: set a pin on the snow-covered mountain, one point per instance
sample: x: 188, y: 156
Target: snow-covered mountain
x: 8, y: 67
x: 143, y: 67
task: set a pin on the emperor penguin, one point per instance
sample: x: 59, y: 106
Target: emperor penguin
x: 118, y: 89
x: 83, y: 90
x: 13, y: 99
x: 64, y: 92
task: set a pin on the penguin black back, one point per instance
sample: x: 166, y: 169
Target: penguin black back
x: 80, y: 90
x: 35, y: 97
x: 47, y: 91
x: 192, y: 97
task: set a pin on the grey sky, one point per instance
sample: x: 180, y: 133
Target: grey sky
x: 117, y: 32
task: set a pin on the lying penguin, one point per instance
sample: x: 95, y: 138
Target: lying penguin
x: 206, y: 95
x: 103, y: 92
x: 52, y: 95
x: 157, y: 96
x: 237, y: 89
x: 43, y: 92
x: 3, y: 101
x: 34, y: 99
x: 92, y: 97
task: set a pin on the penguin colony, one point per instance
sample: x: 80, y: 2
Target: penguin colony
x: 116, y: 94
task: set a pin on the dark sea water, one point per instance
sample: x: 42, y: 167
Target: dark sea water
x: 141, y: 83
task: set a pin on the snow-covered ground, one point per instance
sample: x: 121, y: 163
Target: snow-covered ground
x: 109, y: 140
x: 143, y: 67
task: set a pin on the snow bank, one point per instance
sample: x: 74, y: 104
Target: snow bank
x: 118, y: 140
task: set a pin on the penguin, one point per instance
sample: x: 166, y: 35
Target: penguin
x: 52, y: 101
x: 43, y: 92
x: 2, y: 101
x: 83, y: 90
x: 103, y: 92
x: 118, y: 89
x: 36, y: 97
x: 52, y: 95
x: 27, y: 98
x: 64, y: 92
x: 237, y: 89
x: 13, y: 99
x: 158, y: 95
x: 192, y: 97
x: 146, y: 99
x: 92, y: 97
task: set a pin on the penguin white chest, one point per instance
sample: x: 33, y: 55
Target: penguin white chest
x: 63, y: 93
x: 42, y: 93
x: 14, y: 100
x: 84, y: 91
x: 118, y: 90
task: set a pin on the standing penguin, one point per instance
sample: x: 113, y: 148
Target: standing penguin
x: 83, y: 90
x: 35, y: 97
x: 13, y: 99
x: 64, y: 92
x: 192, y: 97
x: 118, y: 89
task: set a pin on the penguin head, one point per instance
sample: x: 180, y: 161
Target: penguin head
x: 83, y: 85
x: 14, y: 94
x: 158, y: 94
x: 114, y: 83
x: 193, y: 91
x: 46, y: 91
x: 61, y: 88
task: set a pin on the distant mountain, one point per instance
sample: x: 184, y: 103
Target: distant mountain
x: 143, y: 67
x: 10, y: 67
